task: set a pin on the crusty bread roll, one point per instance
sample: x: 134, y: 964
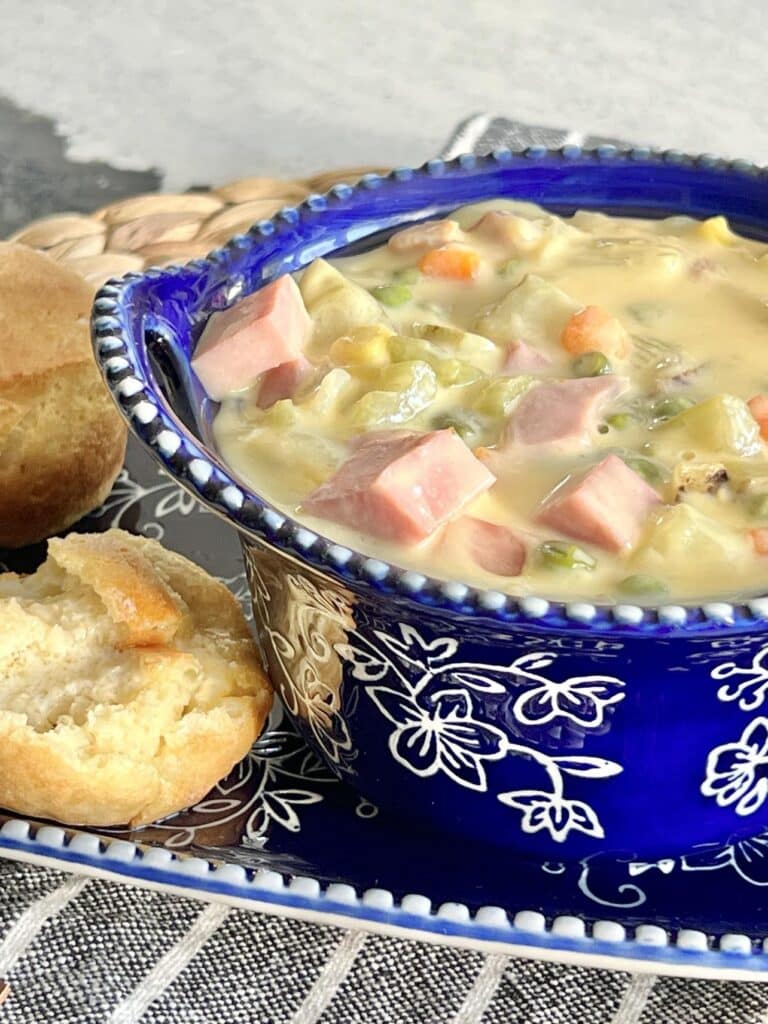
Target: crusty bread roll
x: 62, y: 441
x: 129, y: 683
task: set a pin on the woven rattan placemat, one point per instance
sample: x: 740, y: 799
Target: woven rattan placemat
x: 163, y: 227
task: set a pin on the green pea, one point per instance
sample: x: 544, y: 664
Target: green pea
x: 559, y: 554
x: 645, y: 312
x: 641, y: 585
x: 407, y: 275
x: 509, y: 267
x: 666, y: 408
x: 654, y: 473
x: 466, y: 425
x: 591, y: 364
x: 758, y: 506
x: 392, y: 294
x: 620, y: 420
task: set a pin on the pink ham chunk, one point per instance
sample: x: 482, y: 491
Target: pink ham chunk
x: 431, y: 235
x: 262, y: 331
x: 493, y: 547
x: 522, y: 358
x: 562, y: 413
x: 510, y: 230
x: 283, y: 381
x: 402, y: 486
x: 607, y: 506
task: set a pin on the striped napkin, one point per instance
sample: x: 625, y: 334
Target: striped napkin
x: 77, y: 951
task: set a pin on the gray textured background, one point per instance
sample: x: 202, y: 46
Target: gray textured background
x: 206, y: 91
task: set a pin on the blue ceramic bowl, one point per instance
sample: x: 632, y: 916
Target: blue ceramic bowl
x: 558, y: 729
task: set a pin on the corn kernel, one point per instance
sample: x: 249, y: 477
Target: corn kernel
x: 365, y: 346
x: 715, y: 229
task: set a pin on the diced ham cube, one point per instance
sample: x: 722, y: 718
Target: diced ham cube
x: 262, y: 331
x: 425, y: 236
x: 759, y: 538
x: 510, y: 230
x: 402, y: 486
x: 758, y: 406
x: 522, y: 358
x: 563, y: 412
x: 607, y: 506
x: 494, y: 548
x: 283, y: 381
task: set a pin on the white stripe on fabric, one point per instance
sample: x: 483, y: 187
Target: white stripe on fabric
x: 633, y: 1001
x: 24, y: 931
x: 329, y: 979
x: 169, y: 966
x: 483, y: 989
x: 468, y: 135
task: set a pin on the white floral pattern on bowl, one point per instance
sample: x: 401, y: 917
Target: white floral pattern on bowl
x: 429, y: 698
x: 736, y: 772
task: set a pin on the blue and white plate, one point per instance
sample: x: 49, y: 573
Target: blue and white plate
x: 282, y: 835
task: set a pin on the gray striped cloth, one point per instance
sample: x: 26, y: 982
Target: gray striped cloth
x: 77, y: 951
x: 89, y: 952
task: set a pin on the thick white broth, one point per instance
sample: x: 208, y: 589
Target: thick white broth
x: 693, y: 299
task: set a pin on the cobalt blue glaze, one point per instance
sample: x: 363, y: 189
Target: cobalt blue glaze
x: 561, y: 730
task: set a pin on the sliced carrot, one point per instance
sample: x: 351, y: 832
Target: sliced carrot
x: 592, y: 329
x: 758, y: 406
x: 759, y: 538
x: 457, y: 262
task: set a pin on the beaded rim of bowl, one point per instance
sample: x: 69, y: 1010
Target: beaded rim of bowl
x: 207, y: 478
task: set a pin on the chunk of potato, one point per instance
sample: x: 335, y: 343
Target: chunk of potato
x: 364, y: 346
x: 336, y: 305
x: 332, y: 395
x: 683, y: 536
x: 449, y: 370
x: 499, y: 397
x: 280, y: 414
x: 302, y: 460
x: 480, y: 351
x: 401, y: 391
x: 748, y: 476
x: 535, y: 310
x: 722, y: 424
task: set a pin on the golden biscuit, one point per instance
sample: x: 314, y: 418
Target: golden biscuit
x: 62, y: 441
x: 129, y: 683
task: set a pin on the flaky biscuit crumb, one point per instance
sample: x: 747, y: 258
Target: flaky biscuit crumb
x: 129, y: 683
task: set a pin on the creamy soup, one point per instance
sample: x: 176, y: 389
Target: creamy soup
x: 569, y: 407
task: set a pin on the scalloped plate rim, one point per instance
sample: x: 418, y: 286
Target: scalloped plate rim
x: 628, y: 954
